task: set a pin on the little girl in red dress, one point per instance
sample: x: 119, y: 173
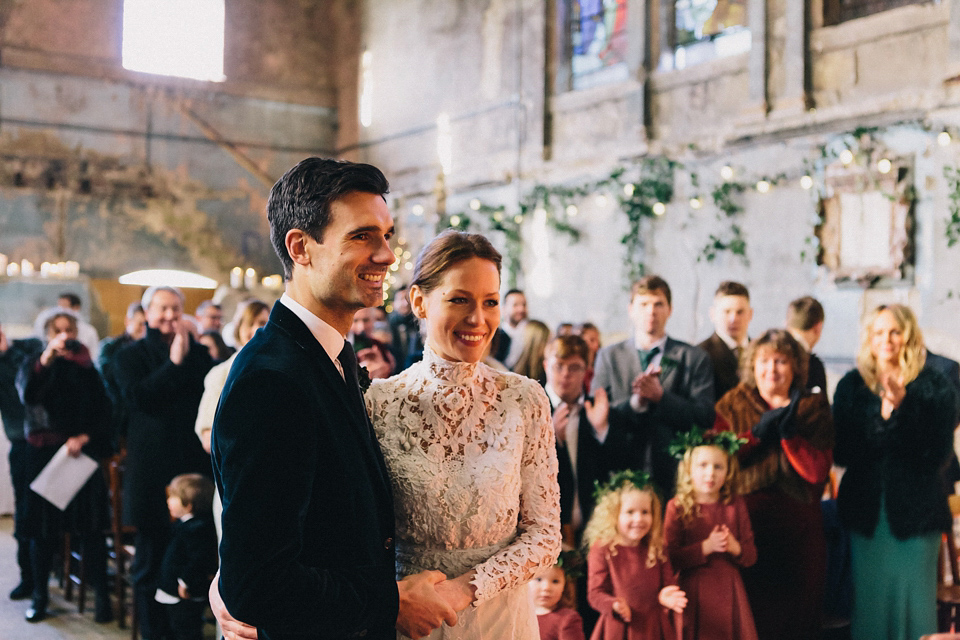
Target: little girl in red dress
x: 709, y: 538
x: 629, y: 580
x: 553, y: 600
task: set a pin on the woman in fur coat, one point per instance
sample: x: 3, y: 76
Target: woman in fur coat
x: 895, y: 419
x: 784, y: 467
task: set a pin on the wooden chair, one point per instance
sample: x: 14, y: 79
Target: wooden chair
x: 948, y: 592
x: 120, y: 548
x: 74, y: 571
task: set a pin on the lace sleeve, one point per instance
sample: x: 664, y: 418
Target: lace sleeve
x: 538, y: 528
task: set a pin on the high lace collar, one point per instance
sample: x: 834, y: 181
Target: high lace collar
x: 446, y: 370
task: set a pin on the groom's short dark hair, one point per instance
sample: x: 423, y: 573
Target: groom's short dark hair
x: 301, y: 199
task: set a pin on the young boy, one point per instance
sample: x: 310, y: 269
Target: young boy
x: 191, y: 558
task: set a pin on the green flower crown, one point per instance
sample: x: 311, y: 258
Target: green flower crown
x: 696, y: 437
x: 572, y: 564
x: 639, y: 479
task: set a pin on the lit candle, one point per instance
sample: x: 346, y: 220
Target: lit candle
x: 250, y: 278
x: 236, y: 277
x: 71, y: 269
x: 26, y: 267
x: 45, y: 269
x: 3, y: 263
x: 13, y: 269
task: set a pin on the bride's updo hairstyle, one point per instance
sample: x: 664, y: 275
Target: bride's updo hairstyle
x: 446, y: 250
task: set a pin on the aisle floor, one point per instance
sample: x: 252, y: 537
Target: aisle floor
x: 64, y: 622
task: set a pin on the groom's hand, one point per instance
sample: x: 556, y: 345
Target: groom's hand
x: 232, y: 628
x: 421, y: 608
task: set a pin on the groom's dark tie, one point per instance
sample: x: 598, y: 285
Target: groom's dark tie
x: 348, y: 360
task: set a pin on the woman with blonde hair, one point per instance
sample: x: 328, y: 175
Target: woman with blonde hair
x: 894, y: 418
x: 536, y: 335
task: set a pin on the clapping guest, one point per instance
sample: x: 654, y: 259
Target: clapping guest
x: 667, y: 384
x: 66, y: 406
x: 895, y: 417
x: 590, y: 441
x: 161, y: 380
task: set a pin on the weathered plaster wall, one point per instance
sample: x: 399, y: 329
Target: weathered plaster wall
x: 163, y: 172
x: 466, y: 58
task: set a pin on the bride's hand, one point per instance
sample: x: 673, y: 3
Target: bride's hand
x: 458, y: 592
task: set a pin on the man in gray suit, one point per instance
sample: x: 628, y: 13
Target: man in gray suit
x: 667, y: 385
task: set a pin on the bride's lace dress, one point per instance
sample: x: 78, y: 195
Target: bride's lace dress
x: 471, y: 456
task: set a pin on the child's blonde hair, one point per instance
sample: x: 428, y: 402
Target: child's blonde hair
x: 685, y: 499
x: 602, y: 528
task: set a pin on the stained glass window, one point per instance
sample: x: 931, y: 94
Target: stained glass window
x: 706, y: 29
x: 598, y: 35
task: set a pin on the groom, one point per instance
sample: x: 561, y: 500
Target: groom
x: 308, y: 522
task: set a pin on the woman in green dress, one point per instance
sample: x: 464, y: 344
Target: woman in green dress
x: 894, y: 422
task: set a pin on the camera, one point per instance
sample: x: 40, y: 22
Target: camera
x: 73, y: 346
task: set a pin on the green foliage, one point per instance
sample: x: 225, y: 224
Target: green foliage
x: 952, y: 232
x: 728, y: 441
x: 637, y: 201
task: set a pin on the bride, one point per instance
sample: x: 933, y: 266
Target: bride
x: 470, y: 451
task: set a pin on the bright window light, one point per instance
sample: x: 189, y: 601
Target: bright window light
x: 181, y: 38
x: 168, y: 277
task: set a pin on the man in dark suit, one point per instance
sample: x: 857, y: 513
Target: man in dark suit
x: 805, y: 323
x: 590, y: 442
x: 667, y: 384
x: 308, y: 522
x: 161, y: 382
x: 731, y: 314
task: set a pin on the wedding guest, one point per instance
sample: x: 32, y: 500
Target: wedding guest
x: 66, y: 406
x: 529, y: 363
x: 86, y: 332
x: 783, y: 470
x: 667, y: 384
x: 591, y: 335
x: 515, y: 316
x: 161, y: 382
x: 190, y: 560
x: 895, y: 418
x: 209, y: 316
x: 805, y: 323
x: 731, y: 314
x: 13, y: 353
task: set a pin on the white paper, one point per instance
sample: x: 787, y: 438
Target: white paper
x: 63, y: 477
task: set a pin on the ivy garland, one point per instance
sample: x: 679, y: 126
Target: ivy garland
x: 641, y: 200
x: 952, y: 232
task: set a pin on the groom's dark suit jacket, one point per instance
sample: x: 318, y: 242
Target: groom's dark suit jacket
x: 308, y: 520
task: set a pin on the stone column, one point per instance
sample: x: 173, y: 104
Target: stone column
x: 757, y: 106
x: 795, y: 97
x: 953, y: 36
x: 639, y: 59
